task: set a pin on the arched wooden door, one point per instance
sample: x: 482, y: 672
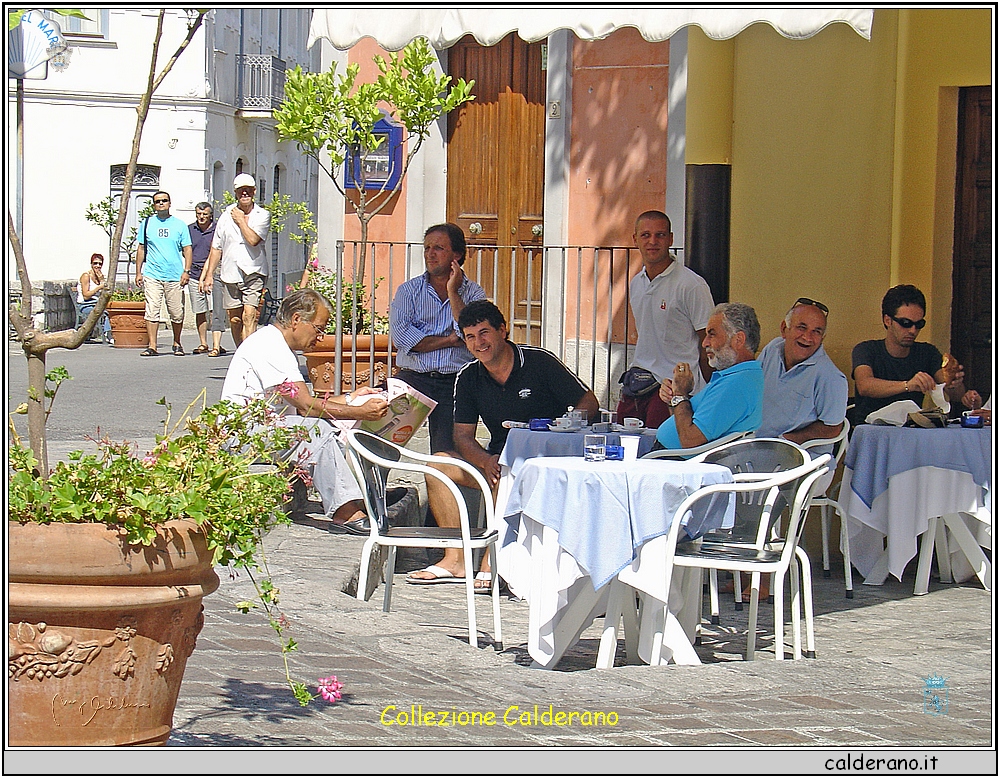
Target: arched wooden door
x: 496, y: 173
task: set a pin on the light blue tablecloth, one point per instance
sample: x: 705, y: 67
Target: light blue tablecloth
x: 523, y: 444
x: 604, y: 511
x: 877, y: 453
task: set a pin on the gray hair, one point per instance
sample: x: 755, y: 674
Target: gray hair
x: 305, y: 302
x: 203, y: 206
x: 740, y: 317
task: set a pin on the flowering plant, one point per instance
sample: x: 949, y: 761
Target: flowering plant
x: 357, y: 315
x: 204, y: 467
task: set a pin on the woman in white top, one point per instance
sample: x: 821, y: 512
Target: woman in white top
x: 92, y: 283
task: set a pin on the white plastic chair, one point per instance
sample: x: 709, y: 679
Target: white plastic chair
x: 622, y: 596
x: 749, y: 459
x: 371, y: 458
x: 825, y: 501
x: 694, y: 451
x: 768, y: 494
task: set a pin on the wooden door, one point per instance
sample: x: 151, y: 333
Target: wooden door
x: 972, y: 270
x: 496, y: 162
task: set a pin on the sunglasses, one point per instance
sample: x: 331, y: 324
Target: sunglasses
x: 907, y: 323
x: 817, y: 303
x: 160, y: 202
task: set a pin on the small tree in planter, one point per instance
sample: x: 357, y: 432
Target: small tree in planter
x: 35, y: 342
x: 331, y: 118
x: 104, y: 214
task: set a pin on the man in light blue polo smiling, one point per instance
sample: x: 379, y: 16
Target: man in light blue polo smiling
x: 734, y: 398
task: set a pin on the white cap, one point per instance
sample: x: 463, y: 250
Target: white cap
x: 244, y: 179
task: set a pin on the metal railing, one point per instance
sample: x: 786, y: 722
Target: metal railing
x: 260, y: 82
x: 571, y: 300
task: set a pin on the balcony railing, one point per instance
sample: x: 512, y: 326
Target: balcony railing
x: 260, y: 83
x: 572, y: 300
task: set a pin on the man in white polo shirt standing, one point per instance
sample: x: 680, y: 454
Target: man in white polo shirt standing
x: 672, y: 305
x: 240, y: 245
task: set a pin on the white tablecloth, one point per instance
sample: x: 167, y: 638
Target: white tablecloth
x: 523, y: 445
x: 896, y: 480
x: 571, y: 526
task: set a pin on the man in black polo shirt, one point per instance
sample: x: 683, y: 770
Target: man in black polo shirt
x: 507, y: 382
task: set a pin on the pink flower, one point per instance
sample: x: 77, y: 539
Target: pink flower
x: 329, y: 689
x: 287, y: 389
x: 315, y: 263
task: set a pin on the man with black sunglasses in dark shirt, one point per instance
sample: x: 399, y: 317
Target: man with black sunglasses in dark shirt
x: 898, y: 367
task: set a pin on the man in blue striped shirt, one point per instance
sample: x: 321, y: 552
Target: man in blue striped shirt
x: 423, y: 318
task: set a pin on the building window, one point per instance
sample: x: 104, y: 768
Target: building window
x: 94, y: 27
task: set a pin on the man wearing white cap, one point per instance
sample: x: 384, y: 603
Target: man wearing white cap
x: 240, y: 244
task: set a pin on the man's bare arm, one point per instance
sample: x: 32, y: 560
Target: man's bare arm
x: 468, y: 448
x: 815, y: 431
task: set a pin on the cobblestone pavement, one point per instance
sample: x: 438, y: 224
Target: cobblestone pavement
x: 864, y: 692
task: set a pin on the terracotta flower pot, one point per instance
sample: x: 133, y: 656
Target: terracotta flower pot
x: 128, y: 324
x: 321, y: 364
x: 99, y: 633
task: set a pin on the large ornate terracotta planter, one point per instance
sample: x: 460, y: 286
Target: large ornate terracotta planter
x: 128, y: 325
x: 320, y: 363
x: 99, y: 633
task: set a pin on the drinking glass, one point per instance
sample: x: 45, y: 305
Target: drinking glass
x: 609, y: 417
x: 594, y: 447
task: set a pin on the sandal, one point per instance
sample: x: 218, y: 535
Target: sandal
x: 150, y: 352
x: 215, y: 352
x: 178, y: 350
x: 200, y: 350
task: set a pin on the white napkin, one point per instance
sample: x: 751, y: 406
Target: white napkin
x: 894, y: 414
x: 939, y: 399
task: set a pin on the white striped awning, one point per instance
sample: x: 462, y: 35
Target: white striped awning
x: 393, y: 28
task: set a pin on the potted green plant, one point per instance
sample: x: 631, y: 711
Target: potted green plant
x: 110, y: 556
x: 365, y: 334
x: 126, y: 313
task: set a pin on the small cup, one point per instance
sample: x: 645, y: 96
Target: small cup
x: 562, y: 423
x: 630, y: 446
x: 631, y: 423
x: 594, y: 447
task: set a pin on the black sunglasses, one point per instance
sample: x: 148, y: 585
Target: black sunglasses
x: 817, y: 303
x: 907, y: 323
x: 160, y: 202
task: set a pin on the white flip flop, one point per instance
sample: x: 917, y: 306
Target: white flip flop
x: 440, y: 576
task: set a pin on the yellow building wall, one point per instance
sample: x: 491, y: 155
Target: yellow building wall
x: 944, y: 49
x: 843, y: 178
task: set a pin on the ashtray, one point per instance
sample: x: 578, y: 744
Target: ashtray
x: 539, y: 425
x: 971, y: 421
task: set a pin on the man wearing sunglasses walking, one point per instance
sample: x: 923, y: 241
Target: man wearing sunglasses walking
x: 898, y: 367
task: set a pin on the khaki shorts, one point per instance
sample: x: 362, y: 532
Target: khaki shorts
x: 246, y: 292
x: 201, y: 302
x: 159, y: 291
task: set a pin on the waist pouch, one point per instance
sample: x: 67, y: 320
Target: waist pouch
x: 638, y: 382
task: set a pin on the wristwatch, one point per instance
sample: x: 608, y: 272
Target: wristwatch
x: 677, y: 399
